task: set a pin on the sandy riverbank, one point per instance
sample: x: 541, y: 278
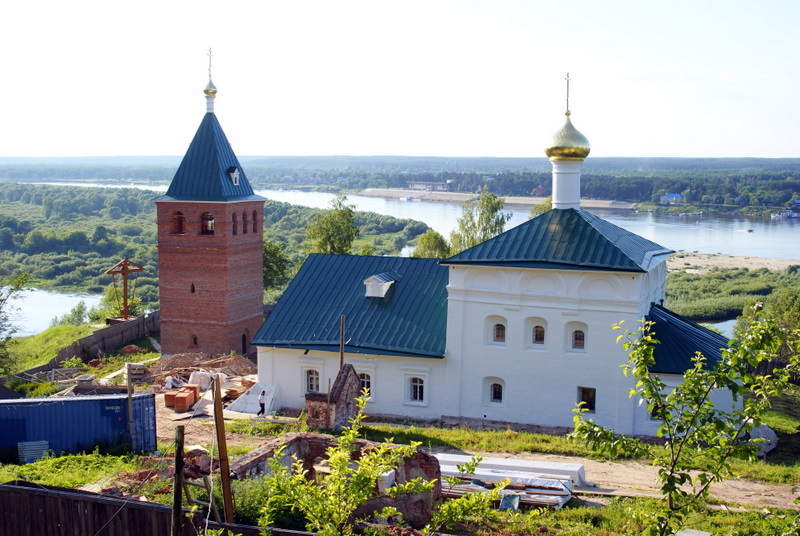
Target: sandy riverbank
x: 511, y: 201
x: 703, y: 262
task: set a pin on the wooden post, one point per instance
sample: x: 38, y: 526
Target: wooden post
x: 341, y: 343
x: 177, y: 485
x: 224, y: 466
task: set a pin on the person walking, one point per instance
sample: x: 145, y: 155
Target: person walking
x: 261, y: 403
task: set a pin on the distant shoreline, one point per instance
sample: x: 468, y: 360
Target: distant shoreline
x: 459, y: 198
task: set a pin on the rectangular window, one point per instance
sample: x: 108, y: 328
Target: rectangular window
x: 417, y: 393
x: 366, y: 382
x: 587, y: 396
x: 312, y: 381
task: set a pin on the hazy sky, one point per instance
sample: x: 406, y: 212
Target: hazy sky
x: 429, y: 77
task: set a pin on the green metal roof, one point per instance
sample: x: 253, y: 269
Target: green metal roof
x: 410, y: 321
x: 679, y: 340
x: 566, y: 239
x: 204, y: 172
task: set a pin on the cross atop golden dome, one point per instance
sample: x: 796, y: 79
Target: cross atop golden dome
x: 568, y: 143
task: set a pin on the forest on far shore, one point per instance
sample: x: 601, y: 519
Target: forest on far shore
x: 732, y: 182
x: 66, y: 237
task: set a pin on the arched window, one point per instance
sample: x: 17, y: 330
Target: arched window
x: 312, y: 381
x: 235, y: 224
x: 244, y: 344
x: 194, y: 340
x: 207, y: 224
x: 255, y: 221
x: 496, y: 392
x: 244, y: 222
x: 578, y: 339
x: 193, y: 288
x: 538, y: 335
x: 417, y: 389
x: 366, y: 382
x: 178, y: 223
x: 499, y: 333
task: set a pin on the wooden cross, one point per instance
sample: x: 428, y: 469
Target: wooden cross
x: 124, y: 267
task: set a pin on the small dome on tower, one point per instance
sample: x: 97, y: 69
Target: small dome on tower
x: 210, y: 89
x: 568, y: 144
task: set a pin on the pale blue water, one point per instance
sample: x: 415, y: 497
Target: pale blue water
x: 754, y: 237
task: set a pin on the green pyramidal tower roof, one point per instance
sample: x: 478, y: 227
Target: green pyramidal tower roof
x: 205, y: 173
x: 566, y: 239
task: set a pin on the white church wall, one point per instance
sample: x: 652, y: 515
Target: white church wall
x: 541, y: 381
x: 390, y: 378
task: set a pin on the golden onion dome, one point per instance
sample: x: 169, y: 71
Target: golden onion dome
x: 210, y: 89
x: 568, y: 144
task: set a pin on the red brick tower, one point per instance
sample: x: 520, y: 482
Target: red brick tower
x: 210, y: 249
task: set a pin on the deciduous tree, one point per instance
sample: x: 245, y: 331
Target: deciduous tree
x: 334, y: 231
x: 541, y: 208
x: 692, y: 426
x: 431, y: 245
x: 276, y: 266
x: 480, y: 220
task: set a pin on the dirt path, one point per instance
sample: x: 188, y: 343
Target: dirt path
x: 628, y: 478
x: 632, y: 478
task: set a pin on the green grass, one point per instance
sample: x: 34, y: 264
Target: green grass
x: 69, y: 471
x: 471, y: 440
x: 38, y: 350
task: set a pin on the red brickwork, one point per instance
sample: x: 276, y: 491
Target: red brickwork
x: 308, y: 447
x: 333, y: 411
x: 210, y: 285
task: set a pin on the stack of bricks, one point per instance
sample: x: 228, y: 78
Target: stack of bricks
x: 183, y: 399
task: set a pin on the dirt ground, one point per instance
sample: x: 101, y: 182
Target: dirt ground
x: 632, y: 478
x: 627, y: 478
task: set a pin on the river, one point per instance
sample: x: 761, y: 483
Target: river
x: 739, y: 236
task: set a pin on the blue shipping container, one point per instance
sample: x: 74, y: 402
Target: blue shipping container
x: 79, y: 423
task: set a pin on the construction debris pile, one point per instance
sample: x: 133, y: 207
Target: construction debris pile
x: 198, y: 465
x: 182, y: 366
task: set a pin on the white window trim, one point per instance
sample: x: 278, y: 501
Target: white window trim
x: 486, y: 392
x: 310, y: 363
x: 366, y: 367
x: 571, y: 328
x: 490, y: 322
x: 306, y: 370
x: 531, y: 323
x: 421, y: 372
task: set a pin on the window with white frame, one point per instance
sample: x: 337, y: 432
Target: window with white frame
x: 495, y: 330
x: 587, y: 397
x: 494, y: 391
x: 312, y: 381
x: 416, y: 386
x: 575, y: 337
x: 366, y: 382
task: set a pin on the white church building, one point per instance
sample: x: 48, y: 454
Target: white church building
x: 514, y: 331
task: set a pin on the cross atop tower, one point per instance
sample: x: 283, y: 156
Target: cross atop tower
x: 567, y: 79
